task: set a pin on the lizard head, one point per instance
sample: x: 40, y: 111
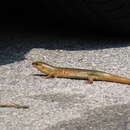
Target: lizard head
x: 42, y: 66
x: 37, y: 63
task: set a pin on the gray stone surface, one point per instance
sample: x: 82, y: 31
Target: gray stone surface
x: 63, y: 104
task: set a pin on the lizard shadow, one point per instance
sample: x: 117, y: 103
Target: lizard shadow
x: 44, y: 76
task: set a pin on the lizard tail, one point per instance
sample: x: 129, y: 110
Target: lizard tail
x: 114, y: 78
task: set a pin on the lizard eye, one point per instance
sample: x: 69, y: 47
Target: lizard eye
x: 35, y: 63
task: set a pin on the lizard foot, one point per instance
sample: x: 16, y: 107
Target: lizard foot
x: 89, y: 81
x: 46, y: 77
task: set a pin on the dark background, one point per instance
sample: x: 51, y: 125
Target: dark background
x: 75, y: 16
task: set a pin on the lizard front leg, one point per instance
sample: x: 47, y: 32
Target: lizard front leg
x: 51, y: 75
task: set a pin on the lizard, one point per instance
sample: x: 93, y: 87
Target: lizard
x: 75, y: 73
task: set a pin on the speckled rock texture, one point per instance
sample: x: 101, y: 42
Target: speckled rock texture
x: 63, y: 104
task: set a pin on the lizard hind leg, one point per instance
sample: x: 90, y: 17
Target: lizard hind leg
x: 89, y: 80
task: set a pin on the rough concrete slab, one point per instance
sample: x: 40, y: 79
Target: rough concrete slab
x: 63, y: 104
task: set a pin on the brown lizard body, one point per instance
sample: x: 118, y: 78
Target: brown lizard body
x: 89, y: 75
